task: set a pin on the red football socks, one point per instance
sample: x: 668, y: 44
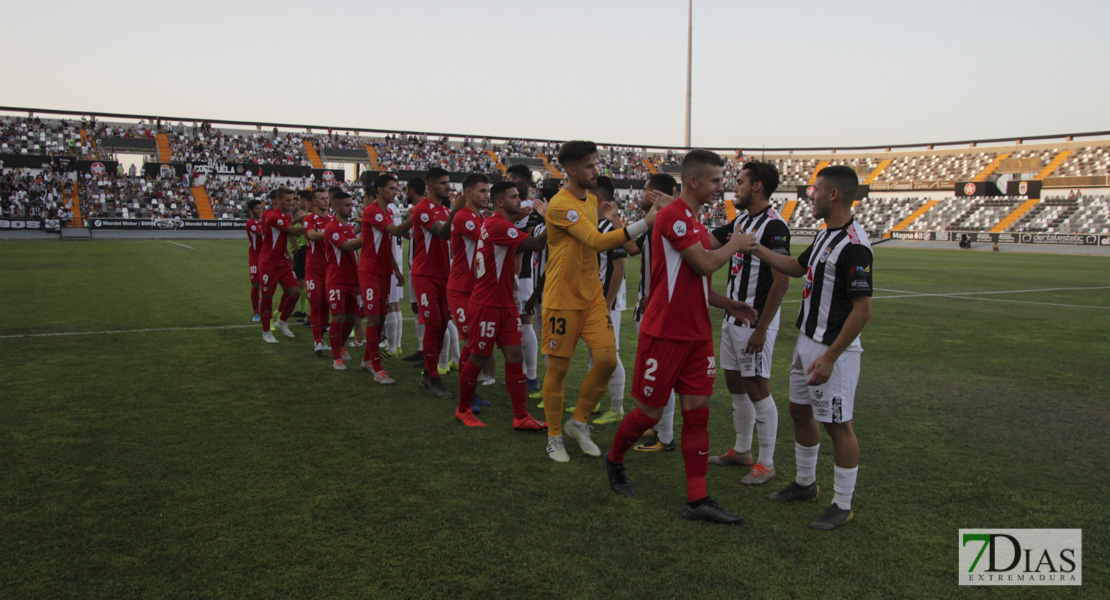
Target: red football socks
x: 515, y: 383
x: 695, y: 451
x: 254, y: 299
x: 335, y: 334
x: 373, y: 353
x: 468, y: 382
x: 266, y: 311
x: 632, y: 428
x: 432, y: 346
x: 288, y: 303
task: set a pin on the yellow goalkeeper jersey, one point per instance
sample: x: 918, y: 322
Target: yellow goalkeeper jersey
x: 572, y: 281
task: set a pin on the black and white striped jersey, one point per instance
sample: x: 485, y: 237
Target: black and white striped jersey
x: 838, y: 268
x: 644, y: 243
x: 749, y: 279
x: 605, y: 259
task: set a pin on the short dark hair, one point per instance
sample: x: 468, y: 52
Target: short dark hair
x: 340, y: 195
x: 573, y: 152
x: 521, y: 172
x: 606, y: 185
x: 697, y: 159
x: 765, y: 173
x: 662, y: 182
x: 523, y: 189
x: 304, y: 194
x: 843, y: 178
x: 282, y: 192
x: 473, y: 179
x: 435, y: 173
x: 500, y: 188
x: 383, y: 180
x: 417, y: 185
x: 253, y: 203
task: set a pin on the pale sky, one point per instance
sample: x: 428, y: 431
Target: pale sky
x: 772, y: 73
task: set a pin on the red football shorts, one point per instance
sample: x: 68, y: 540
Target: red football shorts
x: 458, y: 302
x: 662, y: 365
x: 255, y: 278
x: 493, y: 324
x: 431, y: 299
x: 273, y: 276
x: 344, y: 299
x: 317, y: 288
x: 375, y: 293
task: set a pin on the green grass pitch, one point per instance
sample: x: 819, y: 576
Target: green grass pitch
x: 200, y: 462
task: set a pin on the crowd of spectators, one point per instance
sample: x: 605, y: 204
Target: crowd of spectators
x: 213, y: 145
x: 43, y: 137
x: 29, y: 195
x: 417, y: 153
x: 136, y: 197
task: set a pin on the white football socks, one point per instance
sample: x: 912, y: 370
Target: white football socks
x: 529, y: 345
x: 767, y: 427
x: 743, y: 419
x: 420, y: 337
x: 392, y: 331
x: 664, y: 429
x: 844, y: 485
x: 806, y: 461
x: 616, y: 388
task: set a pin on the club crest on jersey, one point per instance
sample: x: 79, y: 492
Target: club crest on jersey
x: 572, y: 216
x: 648, y: 390
x: 679, y: 228
x: 554, y: 344
x: 809, y: 283
x: 481, y: 345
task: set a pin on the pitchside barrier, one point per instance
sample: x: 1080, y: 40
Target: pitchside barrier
x: 1042, y: 239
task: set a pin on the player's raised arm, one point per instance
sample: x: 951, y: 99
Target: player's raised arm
x: 705, y: 262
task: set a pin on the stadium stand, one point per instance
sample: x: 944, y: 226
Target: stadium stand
x: 1075, y: 165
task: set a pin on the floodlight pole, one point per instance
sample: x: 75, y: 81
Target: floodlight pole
x: 689, y: 62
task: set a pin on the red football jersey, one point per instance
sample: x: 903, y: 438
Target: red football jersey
x: 465, y: 229
x: 678, y: 303
x: 316, y: 260
x: 254, y: 238
x: 430, y: 258
x: 377, y: 245
x: 495, y: 263
x: 275, y: 242
x: 342, y: 266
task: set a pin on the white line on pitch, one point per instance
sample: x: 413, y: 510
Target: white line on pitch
x: 182, y: 245
x: 905, y: 294
x: 948, y: 294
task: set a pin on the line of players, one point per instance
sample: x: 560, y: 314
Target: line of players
x: 675, y: 351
